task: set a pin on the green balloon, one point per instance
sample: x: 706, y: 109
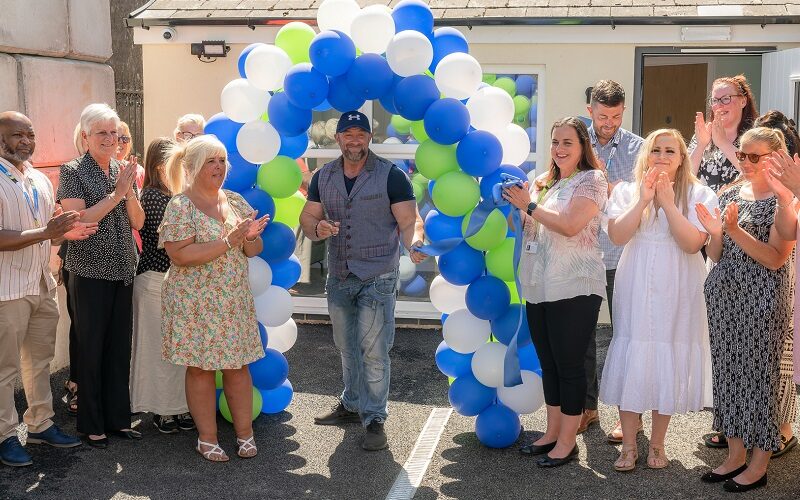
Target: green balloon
x: 280, y: 177
x: 418, y: 131
x: 420, y: 179
x: 287, y: 210
x: 419, y: 192
x: 500, y: 260
x: 295, y: 39
x: 489, y: 78
x: 506, y: 84
x: 258, y: 402
x: 456, y: 193
x: 521, y: 105
x: 512, y: 288
x: 522, y: 120
x: 490, y: 235
x: 400, y: 124
x: 434, y: 160
x: 218, y: 379
x: 450, y: 380
x: 265, y: 117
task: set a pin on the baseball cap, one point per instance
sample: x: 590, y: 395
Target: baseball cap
x: 353, y: 119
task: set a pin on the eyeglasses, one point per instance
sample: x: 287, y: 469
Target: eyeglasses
x: 724, y: 100
x: 188, y: 136
x: 124, y: 139
x: 751, y: 157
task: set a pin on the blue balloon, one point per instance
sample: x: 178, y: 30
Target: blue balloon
x: 305, y: 86
x: 285, y: 273
x: 531, y: 131
x: 414, y: 95
x: 488, y: 181
x: 469, y: 397
x: 444, y: 317
x: 412, y: 15
x: 288, y: 119
x: 369, y: 77
x: 387, y: 99
x: 270, y: 371
x: 525, y: 85
x: 341, y: 97
x: 431, y: 183
x: 278, y: 241
x: 241, y: 173
x: 243, y: 57
x: 224, y: 129
x: 401, y: 164
x: 261, y: 201
x: 439, y: 226
x: 446, y: 121
x: 528, y: 360
x: 452, y: 363
x: 325, y: 106
x: 293, y: 147
x: 497, y: 426
x: 219, y: 393
x: 488, y: 297
x: 416, y: 287
x: 479, y: 153
x: 262, y: 332
x: 447, y: 40
x: 278, y: 399
x: 462, y: 265
x: 332, y: 52
x: 504, y: 327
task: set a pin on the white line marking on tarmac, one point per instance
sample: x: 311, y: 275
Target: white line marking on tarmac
x: 410, y: 477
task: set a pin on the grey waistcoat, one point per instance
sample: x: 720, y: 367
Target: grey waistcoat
x: 368, y: 243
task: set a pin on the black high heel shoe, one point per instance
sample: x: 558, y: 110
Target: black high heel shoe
x: 713, y: 477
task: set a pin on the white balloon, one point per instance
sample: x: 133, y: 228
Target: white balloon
x: 274, y: 306
x: 407, y: 267
x: 526, y: 397
x: 337, y: 15
x: 259, y: 274
x: 242, y: 102
x: 392, y: 140
x: 516, y: 144
x: 372, y: 29
x: 487, y: 364
x: 258, y: 142
x: 447, y: 297
x: 458, y: 75
x: 282, y: 337
x: 490, y: 109
x: 409, y: 53
x: 465, y: 333
x: 266, y: 66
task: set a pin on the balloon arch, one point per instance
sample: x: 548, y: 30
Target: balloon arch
x: 467, y: 138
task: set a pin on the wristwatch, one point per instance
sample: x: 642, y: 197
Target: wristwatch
x: 531, y: 207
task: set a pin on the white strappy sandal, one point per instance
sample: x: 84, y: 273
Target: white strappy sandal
x: 247, y: 447
x: 213, y: 454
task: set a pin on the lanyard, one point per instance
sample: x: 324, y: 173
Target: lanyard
x: 32, y: 206
x: 547, y: 188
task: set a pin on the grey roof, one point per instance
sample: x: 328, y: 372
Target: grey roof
x: 481, y: 11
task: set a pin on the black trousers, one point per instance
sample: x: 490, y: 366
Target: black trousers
x: 561, y: 331
x: 591, y: 353
x: 73, y: 339
x: 103, y: 316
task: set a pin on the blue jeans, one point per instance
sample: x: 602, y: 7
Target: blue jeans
x: 362, y: 314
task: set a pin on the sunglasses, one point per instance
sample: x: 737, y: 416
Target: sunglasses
x: 751, y: 157
x: 724, y: 100
x: 124, y: 139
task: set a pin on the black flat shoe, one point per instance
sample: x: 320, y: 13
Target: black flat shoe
x: 531, y: 450
x: 127, y: 434
x: 548, y: 461
x: 713, y: 477
x: 732, y: 486
x: 101, y: 443
x: 786, y: 446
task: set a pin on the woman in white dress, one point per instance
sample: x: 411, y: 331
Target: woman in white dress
x: 659, y: 356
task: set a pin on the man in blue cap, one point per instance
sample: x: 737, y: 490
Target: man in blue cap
x: 366, y: 206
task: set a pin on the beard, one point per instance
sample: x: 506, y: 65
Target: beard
x: 354, y: 155
x: 13, y: 155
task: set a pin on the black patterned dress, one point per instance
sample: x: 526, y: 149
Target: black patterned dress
x: 749, y: 318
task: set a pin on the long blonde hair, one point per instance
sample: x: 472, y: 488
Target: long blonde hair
x: 684, y: 178
x: 188, y: 159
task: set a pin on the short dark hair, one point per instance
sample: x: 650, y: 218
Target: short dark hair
x: 608, y: 93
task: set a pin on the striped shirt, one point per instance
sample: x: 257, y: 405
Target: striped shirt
x: 22, y: 270
x: 619, y: 156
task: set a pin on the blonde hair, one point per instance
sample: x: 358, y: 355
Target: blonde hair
x: 773, y: 138
x: 80, y: 144
x: 684, y: 178
x: 190, y: 118
x: 128, y: 147
x: 188, y: 159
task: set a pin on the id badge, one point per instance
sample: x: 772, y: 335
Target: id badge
x: 531, y: 247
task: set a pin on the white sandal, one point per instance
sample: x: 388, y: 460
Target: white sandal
x: 209, y: 454
x: 247, y: 447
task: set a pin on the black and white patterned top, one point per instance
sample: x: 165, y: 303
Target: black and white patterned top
x: 716, y: 170
x: 110, y: 254
x: 154, y: 202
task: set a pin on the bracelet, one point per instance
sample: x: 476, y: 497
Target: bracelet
x: 251, y: 241
x: 708, y: 240
x: 316, y: 233
x: 225, y: 239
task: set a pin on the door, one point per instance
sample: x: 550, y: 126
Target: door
x: 672, y: 94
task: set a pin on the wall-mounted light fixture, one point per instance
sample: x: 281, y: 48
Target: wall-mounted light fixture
x: 705, y: 33
x: 210, y: 50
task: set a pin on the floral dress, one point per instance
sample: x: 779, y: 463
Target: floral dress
x: 208, y: 315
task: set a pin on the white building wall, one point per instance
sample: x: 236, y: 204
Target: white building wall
x: 777, y: 85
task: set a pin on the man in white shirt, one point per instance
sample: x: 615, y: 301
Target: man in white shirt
x: 29, y: 221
